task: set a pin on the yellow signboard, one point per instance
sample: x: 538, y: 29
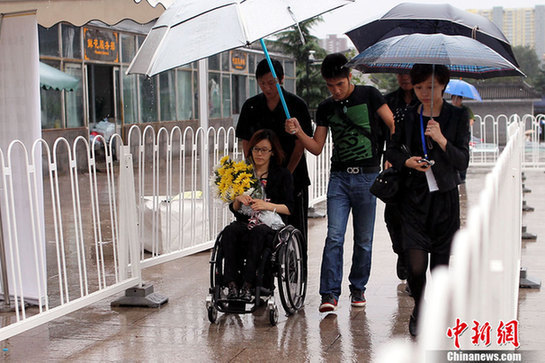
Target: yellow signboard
x: 239, y: 61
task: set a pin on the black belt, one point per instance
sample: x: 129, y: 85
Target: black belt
x: 356, y: 169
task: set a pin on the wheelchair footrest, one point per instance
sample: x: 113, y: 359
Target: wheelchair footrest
x: 236, y: 306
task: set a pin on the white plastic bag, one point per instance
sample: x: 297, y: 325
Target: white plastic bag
x: 267, y: 217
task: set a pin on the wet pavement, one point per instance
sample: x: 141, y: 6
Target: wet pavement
x: 180, y: 330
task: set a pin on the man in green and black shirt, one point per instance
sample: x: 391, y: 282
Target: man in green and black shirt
x: 355, y: 163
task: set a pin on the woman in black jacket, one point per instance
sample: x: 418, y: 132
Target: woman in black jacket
x: 247, y: 238
x: 430, y: 148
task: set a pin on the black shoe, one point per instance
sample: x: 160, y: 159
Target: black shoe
x: 412, y: 325
x: 401, y: 269
x: 245, y: 294
x: 357, y: 298
x: 329, y: 303
x: 233, y: 291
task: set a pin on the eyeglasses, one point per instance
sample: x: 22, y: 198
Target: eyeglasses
x: 261, y: 150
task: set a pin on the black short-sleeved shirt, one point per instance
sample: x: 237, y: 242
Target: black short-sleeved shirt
x: 255, y: 115
x: 351, y: 146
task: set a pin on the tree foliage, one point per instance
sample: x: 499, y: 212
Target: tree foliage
x: 310, y: 85
x: 539, y: 81
x: 529, y: 65
x: 528, y: 60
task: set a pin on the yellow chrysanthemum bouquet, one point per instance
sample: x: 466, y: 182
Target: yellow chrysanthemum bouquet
x: 234, y: 178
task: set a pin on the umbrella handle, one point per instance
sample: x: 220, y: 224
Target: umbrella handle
x: 282, y: 100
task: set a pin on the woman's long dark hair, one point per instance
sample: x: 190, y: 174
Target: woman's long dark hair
x: 266, y: 134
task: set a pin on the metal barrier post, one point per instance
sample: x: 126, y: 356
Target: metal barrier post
x: 141, y: 295
x: 6, y: 306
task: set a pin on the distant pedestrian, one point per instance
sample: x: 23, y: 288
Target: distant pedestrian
x: 457, y: 101
x: 399, y: 101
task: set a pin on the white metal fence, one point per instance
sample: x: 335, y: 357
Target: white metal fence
x: 480, y: 289
x: 78, y: 236
x: 105, y: 220
x: 60, y: 232
x: 489, y: 137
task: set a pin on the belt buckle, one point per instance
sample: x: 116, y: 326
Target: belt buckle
x: 353, y: 170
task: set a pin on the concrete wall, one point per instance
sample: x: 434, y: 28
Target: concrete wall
x: 501, y: 108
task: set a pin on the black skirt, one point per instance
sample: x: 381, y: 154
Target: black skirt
x: 429, y: 220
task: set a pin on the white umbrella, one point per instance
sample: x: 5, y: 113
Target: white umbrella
x: 190, y: 30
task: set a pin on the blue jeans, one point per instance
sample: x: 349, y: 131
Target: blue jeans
x: 348, y: 191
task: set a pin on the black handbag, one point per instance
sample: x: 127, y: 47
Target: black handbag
x: 387, y: 185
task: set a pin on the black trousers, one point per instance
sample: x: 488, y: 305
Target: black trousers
x: 392, y: 217
x: 299, y: 218
x: 239, y: 243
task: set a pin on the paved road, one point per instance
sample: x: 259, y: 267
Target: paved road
x: 180, y: 331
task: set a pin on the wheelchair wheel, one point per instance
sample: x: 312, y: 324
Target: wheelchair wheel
x: 216, y: 274
x: 292, y: 276
x: 273, y: 315
x: 212, y: 314
x: 216, y: 265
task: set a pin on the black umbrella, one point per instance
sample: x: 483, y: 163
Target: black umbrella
x: 408, y: 18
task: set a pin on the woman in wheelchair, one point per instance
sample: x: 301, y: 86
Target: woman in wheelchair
x: 246, y: 238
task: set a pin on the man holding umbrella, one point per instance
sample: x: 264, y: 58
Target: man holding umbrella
x: 264, y: 111
x: 355, y: 163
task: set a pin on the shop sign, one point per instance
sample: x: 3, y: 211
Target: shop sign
x: 101, y: 45
x: 239, y: 61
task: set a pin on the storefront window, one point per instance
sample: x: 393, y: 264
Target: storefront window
x: 50, y: 101
x: 49, y: 40
x: 71, y: 42
x: 289, y: 85
x: 167, y: 96
x: 214, y: 62
x: 74, y: 99
x: 289, y: 69
x: 238, y: 92
x: 130, y: 98
x: 251, y: 64
x: 253, y: 86
x: 226, y: 95
x: 51, y: 105
x: 128, y: 48
x: 225, y: 61
x: 196, y: 93
x: 214, y: 101
x: 148, y: 99
x: 185, y: 96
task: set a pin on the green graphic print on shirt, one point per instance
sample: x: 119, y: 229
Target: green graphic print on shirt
x: 351, y: 146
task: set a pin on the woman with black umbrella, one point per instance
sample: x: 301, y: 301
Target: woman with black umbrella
x: 431, y: 148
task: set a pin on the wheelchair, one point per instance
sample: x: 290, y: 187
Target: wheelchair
x: 283, y: 262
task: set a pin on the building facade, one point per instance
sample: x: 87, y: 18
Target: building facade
x: 522, y: 26
x: 99, y: 55
x: 334, y: 44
